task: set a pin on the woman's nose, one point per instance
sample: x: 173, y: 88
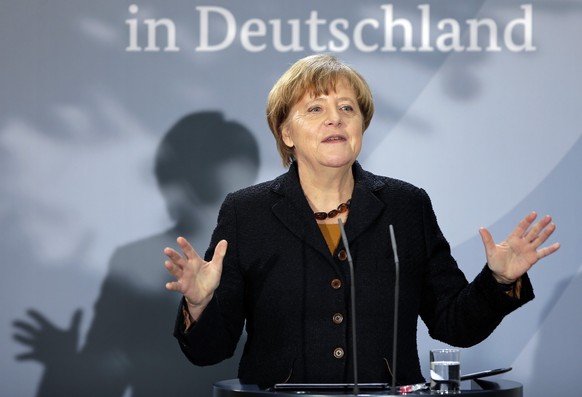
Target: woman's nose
x: 333, y: 117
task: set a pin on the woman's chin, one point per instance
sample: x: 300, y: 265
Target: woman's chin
x: 338, y: 162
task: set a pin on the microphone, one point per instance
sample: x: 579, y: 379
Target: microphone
x: 303, y: 387
x: 353, y: 304
x: 396, y: 305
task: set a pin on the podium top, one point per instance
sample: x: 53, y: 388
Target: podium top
x: 474, y: 388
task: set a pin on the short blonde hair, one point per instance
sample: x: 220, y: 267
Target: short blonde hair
x: 316, y: 74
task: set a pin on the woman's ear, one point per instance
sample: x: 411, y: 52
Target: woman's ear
x: 286, y: 135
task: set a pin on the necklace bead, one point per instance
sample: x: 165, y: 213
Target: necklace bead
x: 343, y: 207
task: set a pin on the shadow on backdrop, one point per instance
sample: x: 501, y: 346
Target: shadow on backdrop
x: 129, y: 349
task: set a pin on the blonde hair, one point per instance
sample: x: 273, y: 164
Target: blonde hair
x: 317, y: 75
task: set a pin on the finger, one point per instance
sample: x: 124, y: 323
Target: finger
x: 25, y: 327
x: 544, y: 235
x: 40, y: 319
x: 523, y: 225
x: 26, y: 357
x: 25, y: 340
x: 174, y: 286
x: 187, y: 249
x: 219, y: 252
x: 175, y: 270
x: 533, y: 233
x: 487, y: 239
x: 174, y: 256
x: 76, y: 321
x: 542, y: 253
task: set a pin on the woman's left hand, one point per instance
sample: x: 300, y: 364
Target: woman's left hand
x: 512, y: 258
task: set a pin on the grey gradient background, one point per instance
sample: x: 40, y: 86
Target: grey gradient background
x: 84, y: 215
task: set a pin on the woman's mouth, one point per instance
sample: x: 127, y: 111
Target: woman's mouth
x: 334, y: 138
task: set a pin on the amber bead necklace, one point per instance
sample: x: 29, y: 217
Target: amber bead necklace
x: 343, y: 207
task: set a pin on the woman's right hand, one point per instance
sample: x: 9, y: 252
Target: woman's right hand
x: 196, y: 279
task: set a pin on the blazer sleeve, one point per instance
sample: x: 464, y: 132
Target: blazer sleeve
x: 215, y: 335
x: 455, y: 311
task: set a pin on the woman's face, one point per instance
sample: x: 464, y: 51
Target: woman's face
x: 325, y: 130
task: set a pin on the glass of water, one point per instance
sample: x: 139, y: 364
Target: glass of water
x: 445, y: 371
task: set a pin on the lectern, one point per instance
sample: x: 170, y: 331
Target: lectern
x: 474, y: 388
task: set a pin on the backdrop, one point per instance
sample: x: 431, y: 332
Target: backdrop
x: 124, y: 124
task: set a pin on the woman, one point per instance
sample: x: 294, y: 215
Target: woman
x: 276, y: 260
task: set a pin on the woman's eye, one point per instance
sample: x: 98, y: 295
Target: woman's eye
x: 314, y: 109
x: 347, y: 108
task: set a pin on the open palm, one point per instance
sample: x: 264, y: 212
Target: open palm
x: 196, y: 279
x: 514, y: 256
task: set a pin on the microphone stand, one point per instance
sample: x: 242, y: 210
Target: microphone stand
x: 396, y: 304
x: 353, y: 303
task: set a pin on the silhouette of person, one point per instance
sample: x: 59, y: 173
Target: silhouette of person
x: 129, y: 348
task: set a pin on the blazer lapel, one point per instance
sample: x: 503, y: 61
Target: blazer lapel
x: 366, y: 207
x: 293, y: 210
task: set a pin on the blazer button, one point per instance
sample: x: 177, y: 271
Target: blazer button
x: 336, y: 283
x: 338, y: 352
x: 342, y: 255
x: 338, y: 318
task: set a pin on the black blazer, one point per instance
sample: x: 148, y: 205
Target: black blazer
x: 281, y: 280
